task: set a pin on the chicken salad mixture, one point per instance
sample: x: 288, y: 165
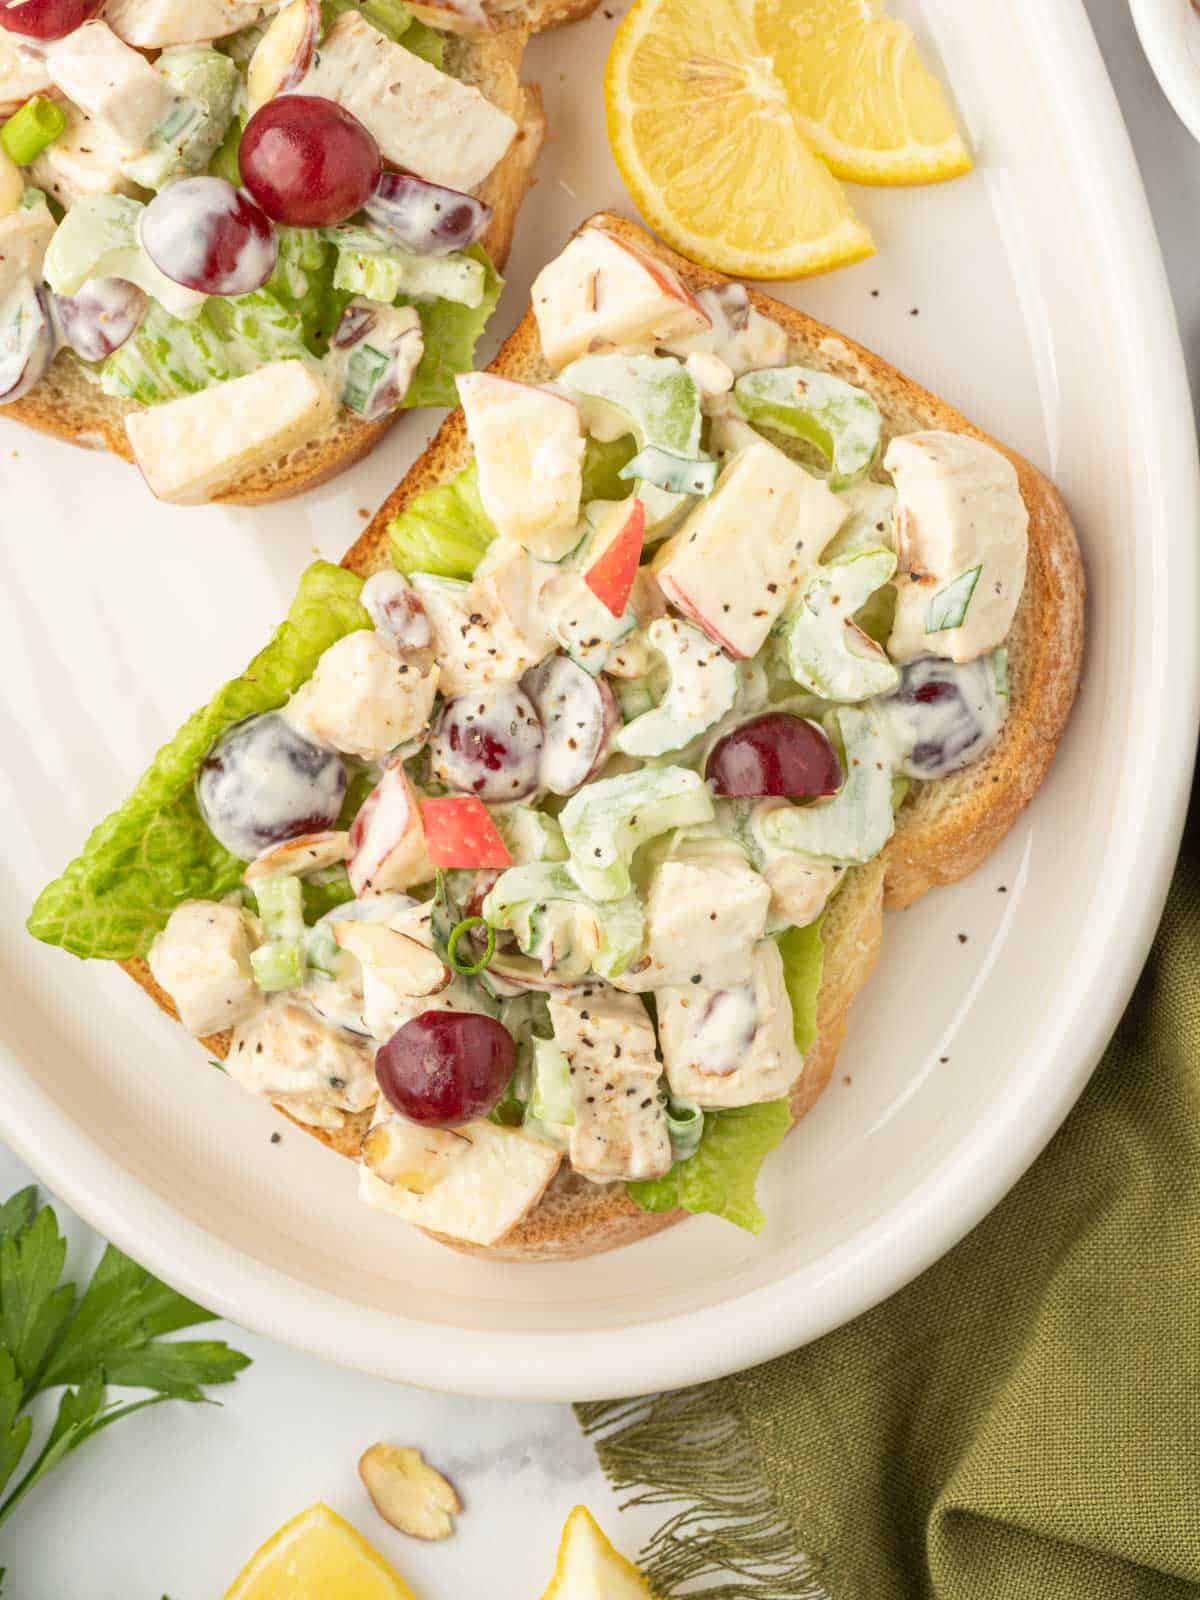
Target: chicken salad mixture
x: 522, y: 866
x: 252, y: 219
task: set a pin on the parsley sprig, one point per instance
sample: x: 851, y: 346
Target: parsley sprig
x: 50, y: 1338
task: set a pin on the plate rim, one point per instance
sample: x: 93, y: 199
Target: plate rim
x: 1162, y: 27
x: 693, y: 1346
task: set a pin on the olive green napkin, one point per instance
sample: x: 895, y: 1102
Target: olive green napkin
x: 1023, y: 1420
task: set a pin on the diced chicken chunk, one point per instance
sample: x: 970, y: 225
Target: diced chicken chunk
x: 475, y: 641
x: 516, y: 582
x: 962, y: 537
x: 202, y: 959
x: 482, y: 1195
x: 318, y: 1073
x: 365, y: 697
x: 739, y: 335
x: 153, y: 24
x: 763, y: 502
x: 732, y: 1046
x: 24, y: 235
x: 110, y: 82
x: 703, y: 920
x: 423, y: 120
x: 190, y: 449
x: 603, y: 294
x: 620, y: 1128
x: 83, y: 160
x: 528, y: 445
x: 22, y: 71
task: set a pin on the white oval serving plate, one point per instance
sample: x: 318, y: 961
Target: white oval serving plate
x: 1030, y: 294
x: 1170, y: 35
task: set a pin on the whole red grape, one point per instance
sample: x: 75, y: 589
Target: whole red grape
x: 308, y: 161
x: 445, y: 1068
x: 775, y: 754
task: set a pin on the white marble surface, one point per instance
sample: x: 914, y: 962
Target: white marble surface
x: 171, y: 1501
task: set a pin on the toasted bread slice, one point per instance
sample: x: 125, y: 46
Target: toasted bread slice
x: 69, y: 404
x: 943, y: 830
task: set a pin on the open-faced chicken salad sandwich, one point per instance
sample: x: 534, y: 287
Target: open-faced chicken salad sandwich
x: 537, y: 871
x: 236, y: 237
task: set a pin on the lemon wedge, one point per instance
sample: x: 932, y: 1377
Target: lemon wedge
x: 588, y: 1568
x: 318, y: 1556
x: 711, y: 149
x: 864, y: 99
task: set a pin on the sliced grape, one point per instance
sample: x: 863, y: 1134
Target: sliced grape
x: 946, y: 714
x: 775, y: 754
x: 46, y: 19
x: 489, y: 743
x: 100, y: 316
x: 395, y: 608
x: 209, y: 236
x: 424, y: 217
x: 263, y: 782
x: 26, y: 340
x: 446, y: 1068
x: 578, y: 714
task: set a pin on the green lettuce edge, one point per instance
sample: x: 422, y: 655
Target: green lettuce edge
x: 155, y: 850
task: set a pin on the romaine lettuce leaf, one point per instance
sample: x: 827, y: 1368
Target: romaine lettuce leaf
x: 451, y: 334
x: 721, y: 1176
x: 392, y: 17
x: 155, y: 850
x: 803, y: 956
x: 168, y: 357
x: 303, y: 282
x: 445, y: 531
x: 425, y: 42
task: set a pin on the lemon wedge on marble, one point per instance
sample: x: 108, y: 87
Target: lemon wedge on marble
x: 318, y: 1556
x: 589, y: 1568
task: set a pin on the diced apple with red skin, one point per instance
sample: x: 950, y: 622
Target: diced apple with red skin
x: 459, y: 832
x: 611, y: 575
x: 602, y: 293
x: 528, y: 445
x: 284, y: 53
x: 387, y: 840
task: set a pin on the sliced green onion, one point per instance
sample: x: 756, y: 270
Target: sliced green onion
x: 948, y: 607
x: 685, y: 1125
x: 29, y: 130
x: 452, y: 946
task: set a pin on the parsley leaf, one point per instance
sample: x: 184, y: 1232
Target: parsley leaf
x: 113, y: 1334
x: 32, y: 1309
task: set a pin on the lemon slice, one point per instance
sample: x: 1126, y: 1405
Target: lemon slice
x: 588, y: 1568
x: 318, y: 1556
x: 862, y: 95
x: 711, y: 150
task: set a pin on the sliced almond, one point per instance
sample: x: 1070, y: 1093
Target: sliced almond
x: 310, y: 852
x: 409, y: 1156
x: 405, y: 964
x: 407, y: 1492
x: 284, y: 53
x: 453, y: 16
